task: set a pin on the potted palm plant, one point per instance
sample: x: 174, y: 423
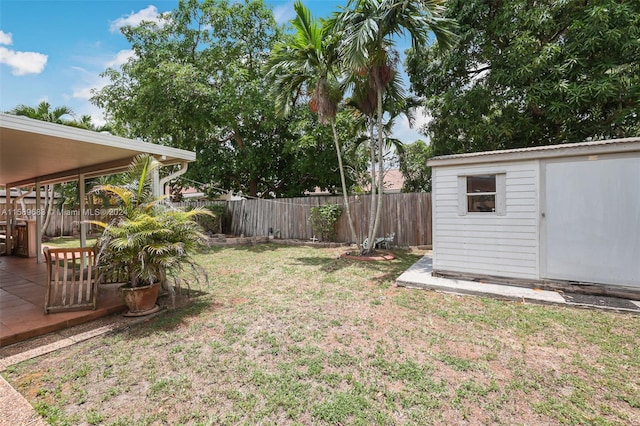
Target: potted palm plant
x: 149, y: 244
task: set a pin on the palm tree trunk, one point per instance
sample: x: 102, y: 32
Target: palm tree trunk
x: 354, y: 236
x: 378, y: 207
x: 372, y: 209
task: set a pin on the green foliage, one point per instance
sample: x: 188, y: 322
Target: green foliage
x: 368, y: 30
x: 53, y: 414
x: 413, y: 165
x: 523, y: 76
x: 43, y: 112
x: 212, y: 223
x: 316, y: 156
x: 197, y: 82
x: 58, y: 115
x: 307, y: 62
x: 150, y: 241
x: 323, y: 220
x: 342, y: 407
x: 218, y: 212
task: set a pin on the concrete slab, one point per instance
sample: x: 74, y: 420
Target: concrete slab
x: 419, y: 276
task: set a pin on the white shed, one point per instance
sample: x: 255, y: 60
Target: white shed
x: 561, y: 216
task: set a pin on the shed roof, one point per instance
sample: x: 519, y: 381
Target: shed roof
x: 609, y: 146
x: 33, y: 150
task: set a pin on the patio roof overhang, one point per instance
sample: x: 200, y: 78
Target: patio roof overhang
x: 35, y: 153
x: 33, y: 150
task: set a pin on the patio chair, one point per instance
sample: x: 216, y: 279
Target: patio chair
x: 380, y: 241
x: 71, y: 283
x: 388, y: 240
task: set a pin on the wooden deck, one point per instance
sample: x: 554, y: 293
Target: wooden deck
x: 22, y: 295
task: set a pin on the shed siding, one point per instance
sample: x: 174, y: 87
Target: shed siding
x: 485, y: 243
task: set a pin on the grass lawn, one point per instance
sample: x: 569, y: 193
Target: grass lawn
x: 68, y: 242
x: 294, y: 335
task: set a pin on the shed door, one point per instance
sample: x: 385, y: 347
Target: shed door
x: 591, y: 220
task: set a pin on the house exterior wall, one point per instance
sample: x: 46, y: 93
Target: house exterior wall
x: 501, y: 243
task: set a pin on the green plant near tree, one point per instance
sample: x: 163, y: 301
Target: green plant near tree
x: 212, y: 223
x: 413, y: 160
x: 150, y: 241
x: 323, y: 220
x: 217, y: 218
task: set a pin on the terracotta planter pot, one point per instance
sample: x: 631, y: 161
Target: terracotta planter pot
x: 140, y: 300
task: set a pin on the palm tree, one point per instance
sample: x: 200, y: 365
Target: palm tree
x: 367, y: 29
x: 307, y: 63
x: 395, y: 102
x: 149, y: 241
x: 43, y: 112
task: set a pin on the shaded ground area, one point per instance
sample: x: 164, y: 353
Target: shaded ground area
x: 297, y: 335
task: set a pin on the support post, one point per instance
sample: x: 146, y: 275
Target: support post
x: 39, y: 222
x: 83, y: 224
x: 8, y: 218
x: 155, y: 183
x: 11, y: 221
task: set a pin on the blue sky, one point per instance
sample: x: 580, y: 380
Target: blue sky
x: 54, y: 50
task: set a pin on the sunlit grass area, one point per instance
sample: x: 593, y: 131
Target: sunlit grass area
x: 69, y: 242
x: 297, y: 335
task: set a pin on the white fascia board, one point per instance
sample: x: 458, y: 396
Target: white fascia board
x: 30, y: 125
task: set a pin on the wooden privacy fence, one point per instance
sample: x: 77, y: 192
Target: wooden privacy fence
x: 408, y: 215
x: 63, y: 222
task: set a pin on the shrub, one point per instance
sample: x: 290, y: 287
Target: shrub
x: 323, y: 220
x: 212, y: 224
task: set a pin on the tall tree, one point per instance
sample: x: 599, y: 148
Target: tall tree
x: 413, y: 166
x: 562, y: 71
x: 368, y: 29
x: 197, y: 82
x: 306, y: 63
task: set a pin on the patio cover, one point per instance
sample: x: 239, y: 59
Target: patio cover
x: 33, y: 150
x: 38, y: 152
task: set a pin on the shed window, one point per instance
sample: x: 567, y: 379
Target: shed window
x: 482, y: 193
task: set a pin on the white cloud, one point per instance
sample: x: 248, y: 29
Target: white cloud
x: 82, y: 92
x: 422, y: 117
x: 284, y: 13
x: 89, y: 81
x: 121, y: 58
x: 406, y: 133
x: 135, y: 18
x: 6, y: 38
x: 22, y: 63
